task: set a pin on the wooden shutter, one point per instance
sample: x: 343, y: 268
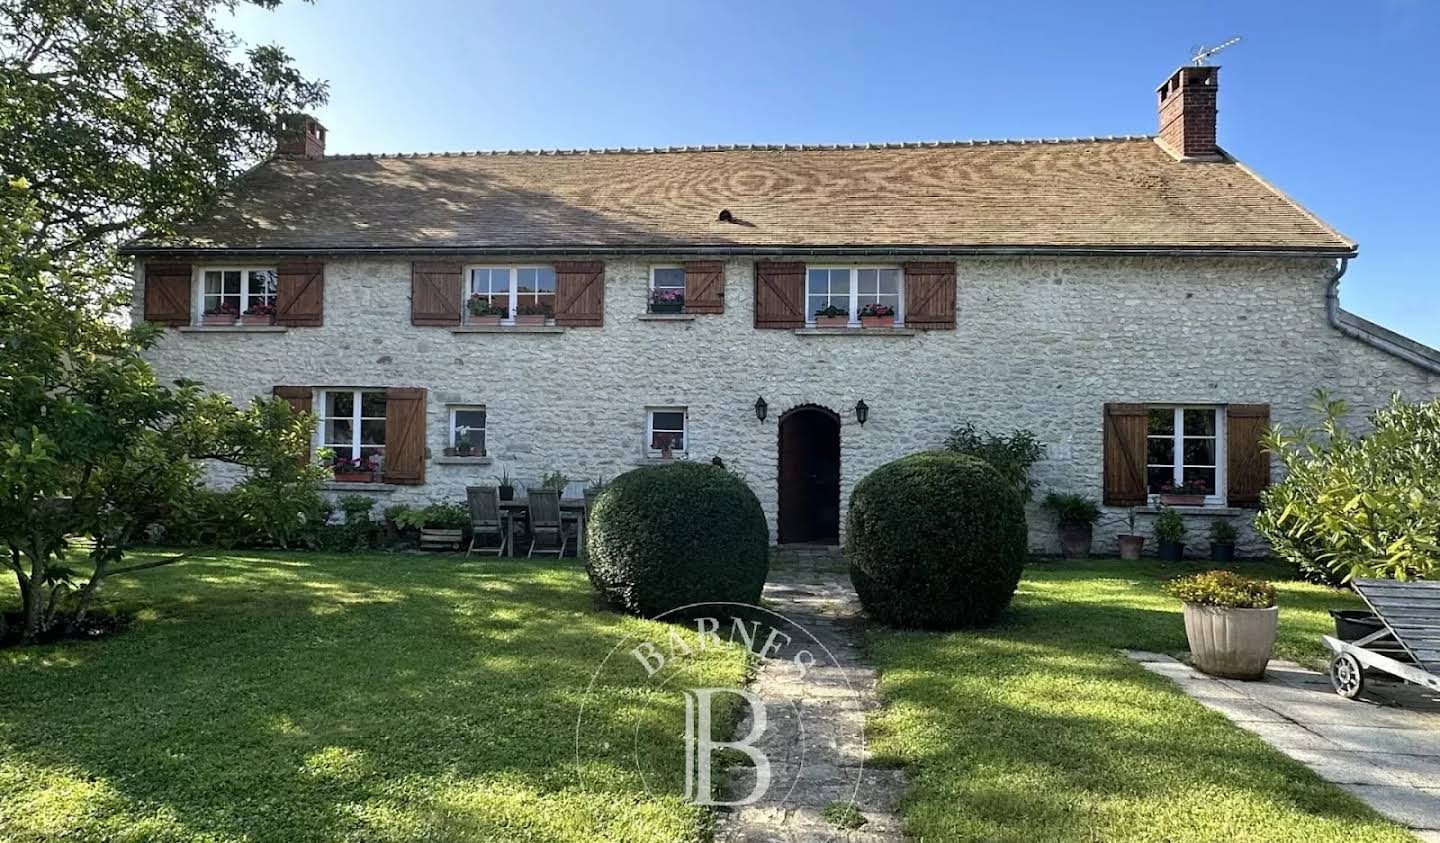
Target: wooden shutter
x: 1125, y: 428
x: 436, y: 293
x: 167, y: 293
x: 779, y: 294
x: 1247, y: 463
x: 705, y: 287
x: 300, y: 294
x: 580, y: 294
x: 404, y: 436
x: 301, y: 400
x: 930, y: 296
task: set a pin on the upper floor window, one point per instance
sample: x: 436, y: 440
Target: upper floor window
x: 1185, y: 452
x: 227, y: 293
x: 852, y: 292
x: 665, y: 431
x: 352, y: 424
x: 510, y: 291
x: 667, y: 289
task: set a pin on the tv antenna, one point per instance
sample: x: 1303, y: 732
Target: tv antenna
x: 1202, y: 54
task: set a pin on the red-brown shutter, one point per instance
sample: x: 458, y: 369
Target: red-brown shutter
x: 300, y: 294
x: 404, y: 436
x: 779, y: 294
x: 1247, y: 463
x: 705, y: 287
x: 580, y: 294
x: 436, y: 293
x: 930, y: 296
x: 167, y: 293
x: 1125, y: 428
x: 301, y: 400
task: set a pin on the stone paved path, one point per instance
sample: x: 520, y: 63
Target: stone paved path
x: 814, y: 736
x: 1384, y: 748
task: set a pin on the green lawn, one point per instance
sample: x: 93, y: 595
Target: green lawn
x: 289, y: 697
x: 1038, y: 729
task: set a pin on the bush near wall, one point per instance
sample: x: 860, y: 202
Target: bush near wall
x: 668, y: 536
x: 936, y: 540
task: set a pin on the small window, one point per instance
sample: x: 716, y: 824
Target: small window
x: 665, y: 431
x: 467, y: 429
x: 241, y: 290
x: 506, y: 291
x: 667, y: 289
x: 352, y: 424
x: 853, y: 292
x: 1184, y: 450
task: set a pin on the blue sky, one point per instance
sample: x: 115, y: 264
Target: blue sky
x: 1333, y: 102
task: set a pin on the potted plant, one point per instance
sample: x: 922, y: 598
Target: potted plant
x: 463, y: 446
x: 442, y: 525
x: 593, y: 490
x: 1230, y: 621
x: 1076, y: 515
x: 1170, y: 535
x: 1222, y: 541
x: 348, y: 470
x: 259, y: 314
x: 483, y: 312
x: 532, y: 314
x: 876, y: 315
x: 667, y: 301
x: 554, y: 480
x: 1131, y: 545
x: 223, y: 314
x: 1189, y: 493
x: 505, y: 485
x: 831, y: 316
x: 665, y: 444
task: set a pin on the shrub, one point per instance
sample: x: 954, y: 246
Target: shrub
x: 1169, y: 526
x: 1366, y: 507
x: 668, y: 536
x: 1224, y: 589
x: 1073, y: 510
x: 1222, y: 532
x: 1011, y: 455
x: 936, y: 540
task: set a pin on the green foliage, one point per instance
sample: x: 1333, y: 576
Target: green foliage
x: 935, y: 540
x: 1222, y: 532
x: 1011, y: 455
x: 844, y: 815
x: 554, y: 480
x: 1225, y: 589
x: 436, y: 516
x: 1358, y: 507
x: 671, y: 535
x: 1073, y: 510
x: 503, y: 480
x: 356, y: 508
x: 1169, y: 526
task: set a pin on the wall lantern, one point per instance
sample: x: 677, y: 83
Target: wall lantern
x: 761, y: 408
x: 862, y: 411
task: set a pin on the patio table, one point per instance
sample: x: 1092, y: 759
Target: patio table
x: 509, y: 509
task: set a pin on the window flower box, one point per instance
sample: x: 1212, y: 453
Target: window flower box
x: 877, y: 321
x: 225, y: 317
x: 876, y: 315
x: 354, y: 476
x: 532, y: 314
x: 260, y: 314
x: 483, y: 312
x: 667, y: 301
x: 831, y: 316
x: 1184, y: 494
x: 347, y: 470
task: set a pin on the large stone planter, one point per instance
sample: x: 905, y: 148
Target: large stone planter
x: 1075, y: 540
x: 1231, y: 643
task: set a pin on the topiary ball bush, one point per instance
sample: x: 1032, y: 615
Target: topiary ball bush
x: 935, y: 540
x: 668, y: 536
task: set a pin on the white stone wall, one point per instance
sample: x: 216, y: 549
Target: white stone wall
x: 1040, y: 343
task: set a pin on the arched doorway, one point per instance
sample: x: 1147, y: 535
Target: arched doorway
x: 809, y: 476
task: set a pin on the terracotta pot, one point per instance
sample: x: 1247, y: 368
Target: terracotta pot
x: 1075, y: 540
x: 354, y: 476
x: 1231, y: 643
x: 218, y: 319
x: 530, y: 319
x: 257, y: 319
x: 449, y: 452
x: 877, y: 321
x: 832, y: 321
x: 1131, y: 546
x: 1182, y: 500
x: 488, y: 321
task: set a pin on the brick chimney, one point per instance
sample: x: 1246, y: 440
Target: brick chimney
x: 301, y: 135
x: 1188, y: 105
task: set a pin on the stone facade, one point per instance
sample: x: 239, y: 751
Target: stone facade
x: 1040, y: 343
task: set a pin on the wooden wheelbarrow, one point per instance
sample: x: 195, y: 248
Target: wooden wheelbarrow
x: 1406, y: 644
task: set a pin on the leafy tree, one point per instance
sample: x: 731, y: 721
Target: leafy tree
x: 1011, y: 455
x: 1358, y: 506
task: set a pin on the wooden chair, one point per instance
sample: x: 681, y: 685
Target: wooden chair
x: 485, y: 519
x: 546, y: 522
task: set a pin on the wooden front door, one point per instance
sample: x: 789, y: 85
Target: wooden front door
x: 809, y: 476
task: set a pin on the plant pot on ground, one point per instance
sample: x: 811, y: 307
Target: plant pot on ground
x: 1170, y: 535
x: 1230, y: 622
x: 1222, y: 541
x: 1076, y: 516
x: 1131, y: 545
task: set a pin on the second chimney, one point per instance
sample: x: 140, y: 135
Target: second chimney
x: 301, y: 135
x: 1188, y: 106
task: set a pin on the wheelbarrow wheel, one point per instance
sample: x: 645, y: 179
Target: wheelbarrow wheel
x: 1346, y: 676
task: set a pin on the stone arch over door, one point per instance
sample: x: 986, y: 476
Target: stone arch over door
x: 809, y: 476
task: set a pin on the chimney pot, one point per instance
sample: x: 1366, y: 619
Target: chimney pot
x: 301, y: 135
x: 1189, y: 104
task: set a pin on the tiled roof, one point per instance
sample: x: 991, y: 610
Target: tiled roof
x: 1097, y: 193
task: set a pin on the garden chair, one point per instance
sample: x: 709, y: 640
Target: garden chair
x: 546, y: 522
x: 485, y: 519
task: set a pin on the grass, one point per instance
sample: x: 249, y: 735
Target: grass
x: 1039, y: 729
x: 288, y: 697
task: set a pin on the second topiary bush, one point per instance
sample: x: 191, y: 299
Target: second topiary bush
x: 673, y: 535
x: 935, y: 540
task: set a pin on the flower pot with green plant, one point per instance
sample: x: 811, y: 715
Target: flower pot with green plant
x: 1131, y: 545
x: 464, y: 447
x: 667, y: 301
x: 1189, y: 493
x: 1076, y: 516
x: 1169, y: 532
x: 442, y: 526
x: 224, y: 314
x: 482, y: 311
x: 505, y: 485
x: 259, y: 314
x: 532, y: 314
x: 554, y: 480
x: 1230, y: 621
x: 876, y: 315
x: 594, y: 488
x: 1222, y: 541
x: 831, y: 316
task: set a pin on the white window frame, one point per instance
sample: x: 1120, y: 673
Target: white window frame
x: 355, y: 419
x: 855, y: 270
x: 460, y: 408
x: 656, y: 268
x: 198, y: 284
x: 650, y: 430
x: 514, y: 294
x: 1178, y: 445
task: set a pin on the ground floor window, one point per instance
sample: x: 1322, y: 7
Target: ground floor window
x: 467, y: 429
x: 1185, y: 451
x: 665, y: 430
x: 352, y: 425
